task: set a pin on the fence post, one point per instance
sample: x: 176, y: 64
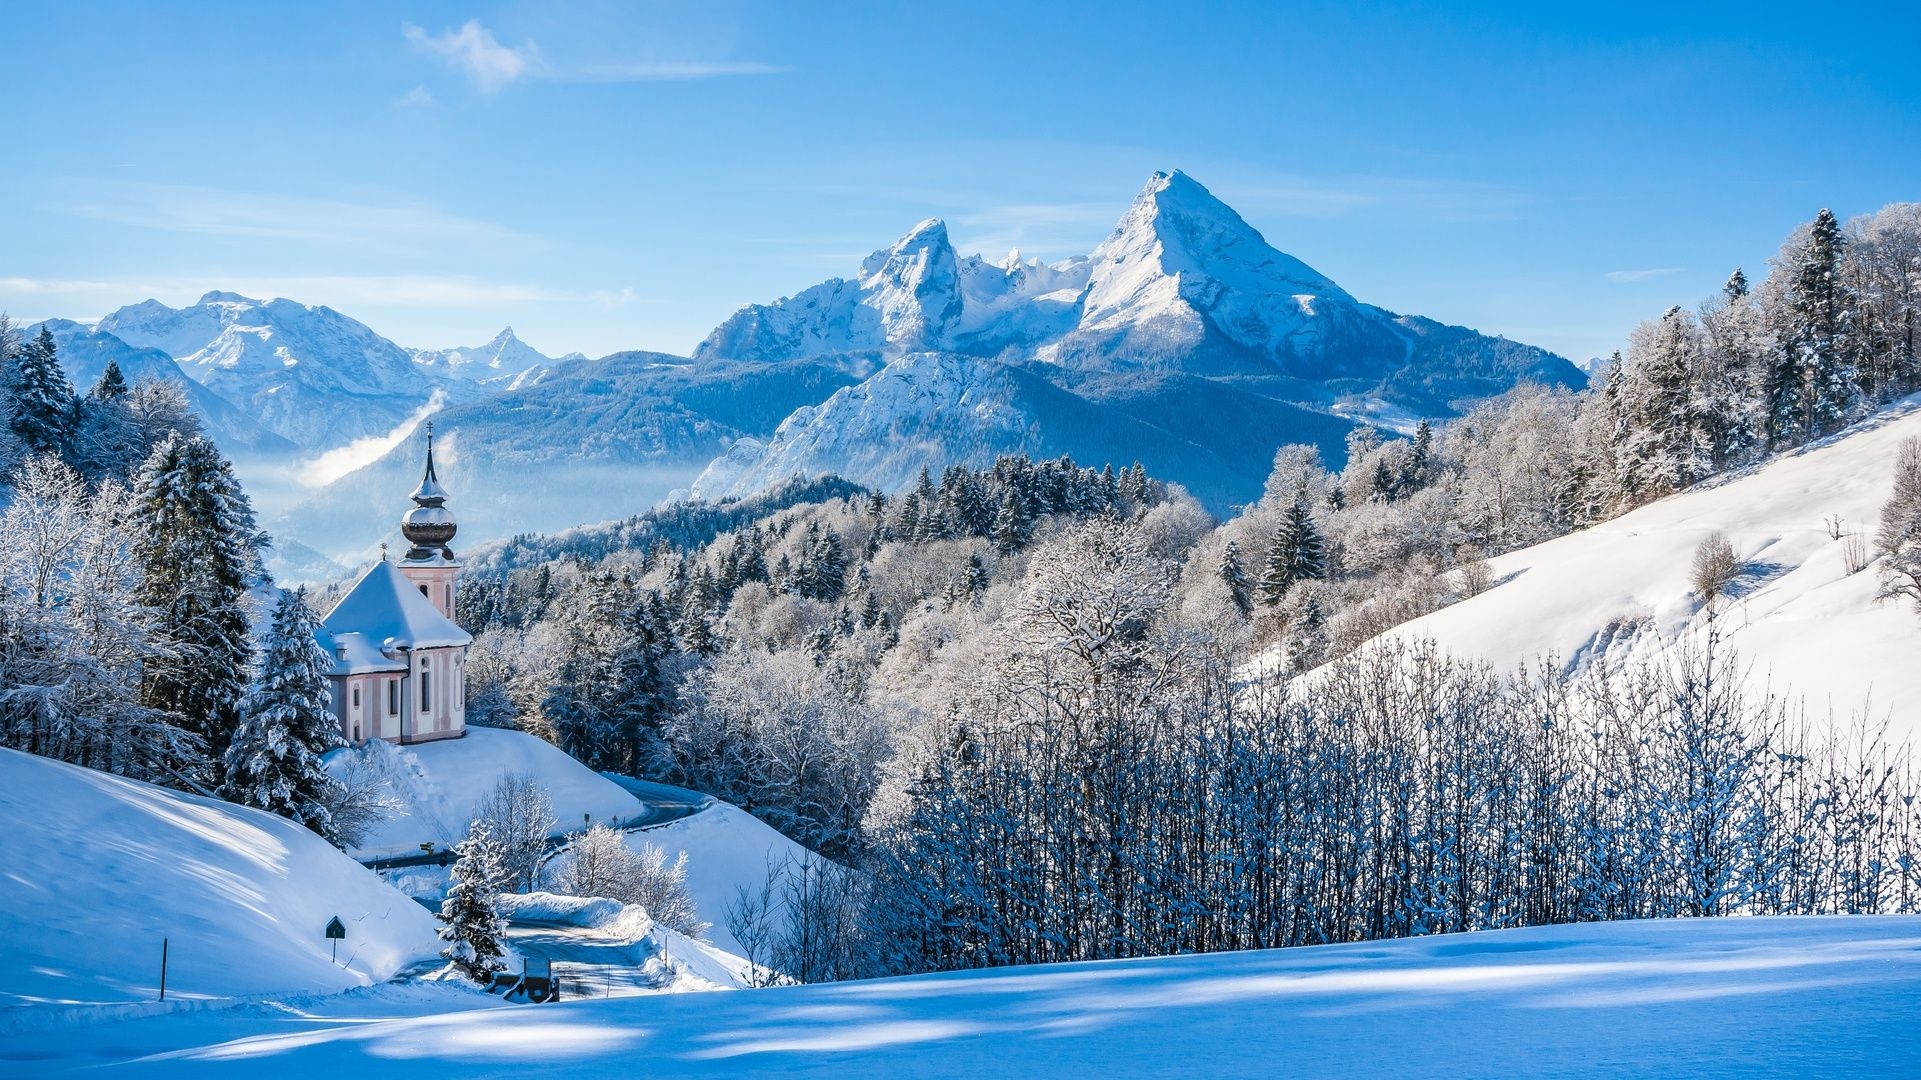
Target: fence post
x: 163, y: 969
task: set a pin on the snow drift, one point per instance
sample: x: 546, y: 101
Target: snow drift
x: 99, y: 869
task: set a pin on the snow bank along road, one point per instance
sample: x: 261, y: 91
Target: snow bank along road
x: 1703, y: 998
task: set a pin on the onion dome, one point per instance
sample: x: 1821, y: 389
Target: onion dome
x: 429, y: 525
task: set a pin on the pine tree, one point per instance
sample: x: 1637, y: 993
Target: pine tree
x: 112, y: 385
x: 1816, y: 382
x: 43, y: 401
x: 1297, y: 554
x: 195, y: 543
x: 1011, y: 524
x: 1234, y: 576
x: 1414, y: 475
x: 474, y: 930
x: 274, y: 761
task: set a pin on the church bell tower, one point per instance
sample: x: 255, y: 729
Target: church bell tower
x: 430, y: 563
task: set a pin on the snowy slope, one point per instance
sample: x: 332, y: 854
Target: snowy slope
x: 727, y: 849
x: 308, y: 372
x: 98, y: 869
x: 1698, y: 998
x: 439, y: 784
x: 1807, y: 625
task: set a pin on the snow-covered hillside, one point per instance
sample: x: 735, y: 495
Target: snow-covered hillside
x: 99, y: 869
x: 438, y: 784
x: 309, y: 373
x: 728, y: 850
x: 1786, y: 997
x: 1808, y: 625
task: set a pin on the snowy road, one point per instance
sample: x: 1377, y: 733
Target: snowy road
x: 588, y: 963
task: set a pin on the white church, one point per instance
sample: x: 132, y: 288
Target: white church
x: 399, y: 657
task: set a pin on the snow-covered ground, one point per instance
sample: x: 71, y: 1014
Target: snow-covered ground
x: 440, y: 783
x: 728, y: 849
x: 95, y: 870
x: 1799, y: 617
x: 1837, y: 996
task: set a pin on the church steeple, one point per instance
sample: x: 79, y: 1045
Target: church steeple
x: 429, y: 525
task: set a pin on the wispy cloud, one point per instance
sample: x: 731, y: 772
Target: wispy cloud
x: 418, y: 98
x: 338, y: 223
x: 1625, y: 277
x: 490, y: 65
x: 473, y: 51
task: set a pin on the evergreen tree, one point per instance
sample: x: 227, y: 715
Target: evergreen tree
x: 1012, y: 526
x: 1297, y: 554
x: 1414, y: 474
x: 274, y: 761
x: 43, y: 401
x: 1234, y: 576
x: 195, y: 543
x: 474, y: 930
x: 112, y: 385
x: 1736, y: 289
x: 1815, y: 383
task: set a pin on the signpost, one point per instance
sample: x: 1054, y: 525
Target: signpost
x: 335, y: 931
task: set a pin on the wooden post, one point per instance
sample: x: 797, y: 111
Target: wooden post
x: 163, y: 969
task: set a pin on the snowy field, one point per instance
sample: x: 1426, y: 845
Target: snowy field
x: 1703, y: 998
x: 98, y: 869
x: 1802, y: 621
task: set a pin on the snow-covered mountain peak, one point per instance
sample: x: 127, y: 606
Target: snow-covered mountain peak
x: 914, y: 286
x: 218, y: 296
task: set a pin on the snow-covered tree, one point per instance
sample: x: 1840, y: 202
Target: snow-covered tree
x: 1898, y: 540
x: 1297, y: 553
x: 195, y: 543
x: 1815, y: 380
x: 474, y: 931
x: 518, y: 815
x: 274, y: 761
x: 1234, y: 575
x: 42, y: 399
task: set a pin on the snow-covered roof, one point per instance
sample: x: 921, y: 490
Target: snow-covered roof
x: 355, y: 654
x: 389, y: 611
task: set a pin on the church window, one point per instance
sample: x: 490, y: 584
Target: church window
x: 426, y: 686
x: 393, y: 697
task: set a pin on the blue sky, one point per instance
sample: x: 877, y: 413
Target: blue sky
x: 607, y: 176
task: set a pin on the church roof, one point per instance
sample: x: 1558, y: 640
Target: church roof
x: 390, y: 612
x: 356, y: 654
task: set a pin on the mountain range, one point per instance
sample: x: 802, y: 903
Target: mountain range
x: 1184, y: 340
